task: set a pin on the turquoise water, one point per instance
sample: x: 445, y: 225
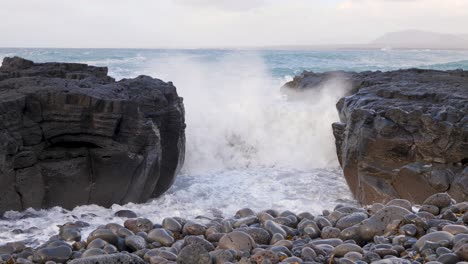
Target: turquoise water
x: 128, y: 62
x: 247, y: 145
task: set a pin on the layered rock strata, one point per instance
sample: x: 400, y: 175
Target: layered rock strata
x: 71, y: 135
x: 402, y: 134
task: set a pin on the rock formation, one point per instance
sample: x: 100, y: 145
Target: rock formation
x: 71, y: 135
x: 403, y: 134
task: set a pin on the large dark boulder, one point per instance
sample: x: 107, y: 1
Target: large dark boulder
x: 71, y: 135
x: 403, y: 134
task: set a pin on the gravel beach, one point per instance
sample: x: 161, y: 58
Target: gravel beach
x: 397, y: 232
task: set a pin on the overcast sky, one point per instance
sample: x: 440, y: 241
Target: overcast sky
x: 219, y: 23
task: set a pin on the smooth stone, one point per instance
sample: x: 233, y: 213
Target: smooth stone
x: 462, y: 251
x: 97, y: 243
x: 401, y: 203
x: 214, y: 237
x: 350, y: 220
x: 194, y: 254
x: 70, y: 232
x: 392, y: 261
x: 342, y: 249
x: 441, y: 200
x: 57, y: 254
x: 351, y: 233
x: 191, y: 240
x: 104, y: 234
x: 442, y: 250
x: 288, y: 244
x: 124, y: 232
x: 295, y: 260
x: 162, y: 236
x: 265, y: 256
x: 460, y: 238
x: 260, y: 235
x: 432, y: 209
x: 305, y: 215
x: 330, y: 232
x: 139, y: 225
x: 222, y: 256
x: 167, y: 255
x: 308, y: 254
x: 263, y: 217
x: 448, y: 258
x: 434, y: 237
x: 172, y: 225
x: 274, y: 228
x: 376, y: 224
x: 455, y: 229
x: 244, y: 212
x: 248, y: 220
x: 354, y: 256
x: 193, y: 228
x: 120, y: 258
x: 348, y: 209
x: 275, y: 238
x: 135, y: 242
x: 126, y: 214
x: 237, y: 241
x: 334, y: 242
x: 408, y: 230
x: 281, y: 249
x: 110, y: 249
x: 322, y: 222
x: 383, y: 252
x: 6, y: 250
x: 93, y: 252
x: 375, y: 208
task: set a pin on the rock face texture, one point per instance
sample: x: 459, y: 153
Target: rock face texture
x: 402, y: 134
x: 71, y: 135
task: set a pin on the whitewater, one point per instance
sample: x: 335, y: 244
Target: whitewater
x: 248, y: 145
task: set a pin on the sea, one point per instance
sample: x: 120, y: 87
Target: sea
x: 248, y: 145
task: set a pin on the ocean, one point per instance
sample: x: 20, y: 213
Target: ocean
x: 247, y: 144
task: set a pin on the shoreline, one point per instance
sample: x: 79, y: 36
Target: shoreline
x: 391, y: 233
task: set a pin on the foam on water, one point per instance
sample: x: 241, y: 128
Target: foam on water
x: 206, y: 194
x: 247, y: 146
x: 238, y: 118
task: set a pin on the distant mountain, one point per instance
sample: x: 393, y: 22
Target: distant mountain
x: 421, y: 40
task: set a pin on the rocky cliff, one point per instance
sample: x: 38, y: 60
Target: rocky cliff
x: 402, y: 134
x: 71, y: 135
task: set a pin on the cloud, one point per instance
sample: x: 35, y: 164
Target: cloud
x: 225, y: 5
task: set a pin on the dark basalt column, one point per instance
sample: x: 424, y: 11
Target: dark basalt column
x: 402, y: 134
x: 71, y: 135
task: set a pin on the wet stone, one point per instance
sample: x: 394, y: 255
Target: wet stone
x: 192, y: 240
x: 237, y: 241
x: 97, y: 243
x: 139, y: 225
x: 93, y: 252
x: 104, y: 234
x: 58, y: 254
x: 194, y: 254
x: 126, y: 214
x: 343, y: 249
x: 172, y: 225
x: 162, y: 236
x: 193, y: 228
x: 135, y: 242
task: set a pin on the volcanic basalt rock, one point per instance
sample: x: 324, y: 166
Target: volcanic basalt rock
x: 403, y: 134
x: 71, y: 135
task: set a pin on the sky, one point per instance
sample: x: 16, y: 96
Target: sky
x: 219, y: 23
